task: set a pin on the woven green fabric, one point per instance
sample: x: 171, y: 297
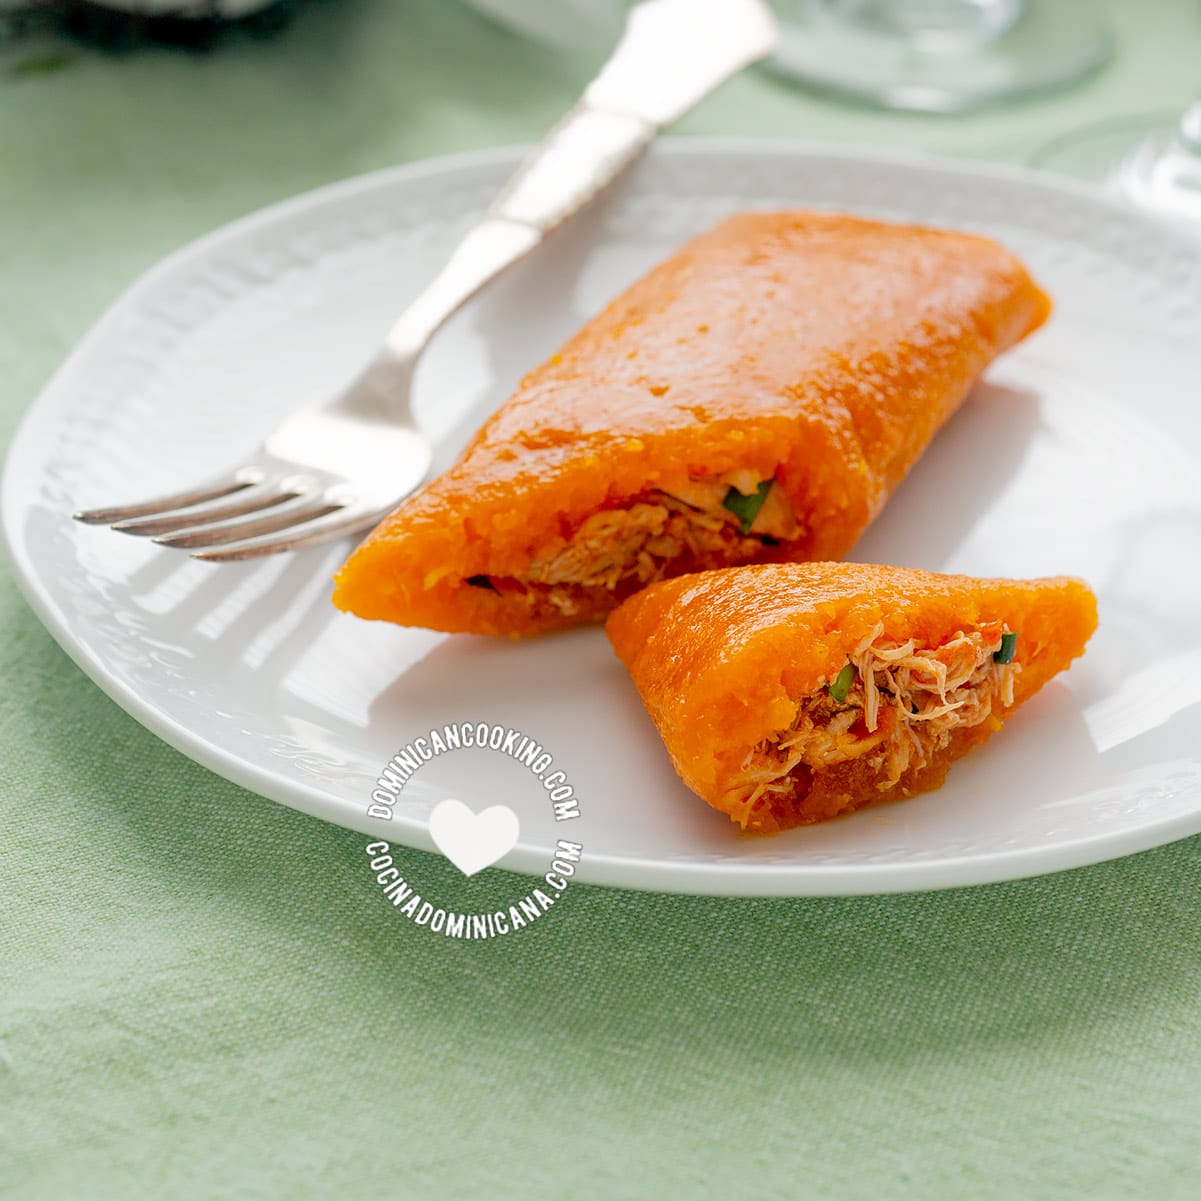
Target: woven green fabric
x: 202, y: 994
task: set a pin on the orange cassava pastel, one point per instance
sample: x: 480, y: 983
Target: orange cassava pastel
x: 819, y: 350
x: 722, y: 660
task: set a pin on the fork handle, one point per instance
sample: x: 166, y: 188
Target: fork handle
x: 673, y: 53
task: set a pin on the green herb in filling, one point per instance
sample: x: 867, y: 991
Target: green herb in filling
x: 746, y: 508
x: 842, y: 683
x: 1005, y: 654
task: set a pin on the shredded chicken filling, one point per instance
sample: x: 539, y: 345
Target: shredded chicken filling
x: 703, y: 522
x: 902, y: 707
x: 636, y: 545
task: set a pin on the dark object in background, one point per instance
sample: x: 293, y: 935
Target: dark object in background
x: 118, y: 25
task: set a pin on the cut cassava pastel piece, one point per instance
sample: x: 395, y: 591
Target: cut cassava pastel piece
x: 757, y: 396
x: 790, y: 693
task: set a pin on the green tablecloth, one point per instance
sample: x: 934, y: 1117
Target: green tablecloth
x: 203, y: 993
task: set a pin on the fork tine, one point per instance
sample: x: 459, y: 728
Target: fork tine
x: 238, y: 529
x: 311, y: 533
x: 148, y: 527
x: 176, y: 500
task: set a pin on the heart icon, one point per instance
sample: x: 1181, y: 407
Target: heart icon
x: 473, y: 841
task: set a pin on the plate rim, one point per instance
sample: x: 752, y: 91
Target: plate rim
x: 621, y: 871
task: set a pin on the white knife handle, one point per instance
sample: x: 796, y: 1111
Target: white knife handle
x: 673, y: 53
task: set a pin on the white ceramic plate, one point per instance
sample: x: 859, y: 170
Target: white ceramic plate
x: 1080, y: 454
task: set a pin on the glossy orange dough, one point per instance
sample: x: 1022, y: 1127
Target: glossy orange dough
x: 822, y: 350
x: 722, y: 660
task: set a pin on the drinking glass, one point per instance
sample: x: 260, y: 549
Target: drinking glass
x: 1152, y: 160
x: 941, y: 56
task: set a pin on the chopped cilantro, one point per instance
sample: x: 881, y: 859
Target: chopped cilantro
x: 1005, y: 654
x: 746, y: 508
x: 842, y: 683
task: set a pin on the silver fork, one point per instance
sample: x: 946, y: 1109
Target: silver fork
x: 337, y: 468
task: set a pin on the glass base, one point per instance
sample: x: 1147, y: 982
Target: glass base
x: 943, y: 56
x: 1138, y: 158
